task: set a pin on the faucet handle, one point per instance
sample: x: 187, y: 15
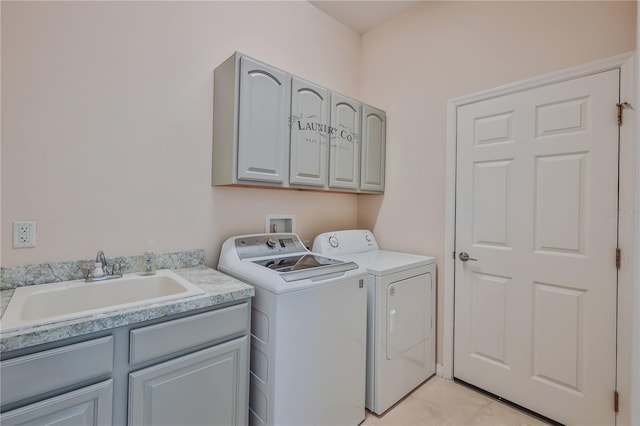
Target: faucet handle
x: 118, y: 268
x: 99, y: 270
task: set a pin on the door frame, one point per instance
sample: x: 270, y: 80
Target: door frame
x: 628, y: 275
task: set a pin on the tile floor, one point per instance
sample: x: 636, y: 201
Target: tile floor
x: 443, y: 402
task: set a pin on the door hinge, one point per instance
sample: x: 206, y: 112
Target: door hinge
x: 616, y: 401
x: 620, y: 107
x: 618, y: 258
x: 454, y: 254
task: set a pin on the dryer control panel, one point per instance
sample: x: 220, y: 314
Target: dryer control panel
x: 340, y: 243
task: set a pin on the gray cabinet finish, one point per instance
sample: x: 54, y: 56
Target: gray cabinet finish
x: 250, y: 123
x: 374, y: 123
x: 173, y: 336
x: 41, y: 372
x: 85, y: 380
x: 274, y: 129
x: 344, y: 152
x: 204, y: 388
x: 263, y: 133
x: 89, y: 406
x: 309, y: 134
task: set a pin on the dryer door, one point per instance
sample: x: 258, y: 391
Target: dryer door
x: 408, y: 314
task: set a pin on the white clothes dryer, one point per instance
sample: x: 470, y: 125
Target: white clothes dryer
x: 400, y: 314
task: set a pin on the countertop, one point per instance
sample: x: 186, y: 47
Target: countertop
x: 219, y: 289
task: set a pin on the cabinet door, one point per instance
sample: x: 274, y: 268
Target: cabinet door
x: 263, y: 132
x: 90, y: 406
x: 344, y: 152
x: 374, y: 123
x: 309, y: 133
x: 209, y: 387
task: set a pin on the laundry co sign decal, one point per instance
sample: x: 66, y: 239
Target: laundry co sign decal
x: 310, y: 124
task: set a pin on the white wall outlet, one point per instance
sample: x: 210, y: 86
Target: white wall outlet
x: 24, y: 234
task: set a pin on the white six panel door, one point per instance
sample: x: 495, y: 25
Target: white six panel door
x: 535, y: 315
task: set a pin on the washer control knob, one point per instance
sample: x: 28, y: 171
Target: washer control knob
x: 367, y: 237
x: 271, y: 242
x: 333, y: 241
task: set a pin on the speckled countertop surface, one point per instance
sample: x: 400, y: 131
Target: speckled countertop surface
x: 219, y: 289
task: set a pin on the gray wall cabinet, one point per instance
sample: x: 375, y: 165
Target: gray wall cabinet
x: 251, y: 132
x: 374, y: 124
x: 187, y: 369
x: 344, y: 153
x: 309, y: 134
x: 271, y: 128
x: 262, y: 130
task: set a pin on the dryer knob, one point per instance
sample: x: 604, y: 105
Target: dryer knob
x: 367, y: 237
x: 333, y: 241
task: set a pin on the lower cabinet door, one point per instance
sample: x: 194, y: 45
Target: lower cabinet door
x: 208, y: 387
x: 87, y: 406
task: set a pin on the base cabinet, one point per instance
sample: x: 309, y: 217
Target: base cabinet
x: 90, y: 406
x: 203, y: 388
x: 189, y: 369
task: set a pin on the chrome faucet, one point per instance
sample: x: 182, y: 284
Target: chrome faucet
x: 100, y: 258
x: 100, y: 270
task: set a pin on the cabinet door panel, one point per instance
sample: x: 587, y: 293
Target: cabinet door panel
x: 263, y: 137
x: 46, y: 371
x: 373, y: 149
x: 172, y: 336
x: 309, y: 133
x: 90, y: 406
x: 208, y: 387
x: 344, y: 157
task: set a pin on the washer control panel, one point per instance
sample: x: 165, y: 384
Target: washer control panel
x: 251, y: 246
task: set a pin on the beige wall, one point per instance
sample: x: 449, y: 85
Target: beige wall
x: 107, y: 122
x: 107, y: 112
x: 436, y: 51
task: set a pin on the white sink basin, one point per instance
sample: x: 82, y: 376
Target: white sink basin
x: 46, y: 303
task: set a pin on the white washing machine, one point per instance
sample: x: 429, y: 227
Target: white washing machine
x: 308, y: 331
x: 401, y: 298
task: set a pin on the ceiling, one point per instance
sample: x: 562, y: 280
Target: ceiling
x: 362, y: 15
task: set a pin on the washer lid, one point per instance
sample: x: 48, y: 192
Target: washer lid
x: 383, y: 262
x: 299, y: 267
